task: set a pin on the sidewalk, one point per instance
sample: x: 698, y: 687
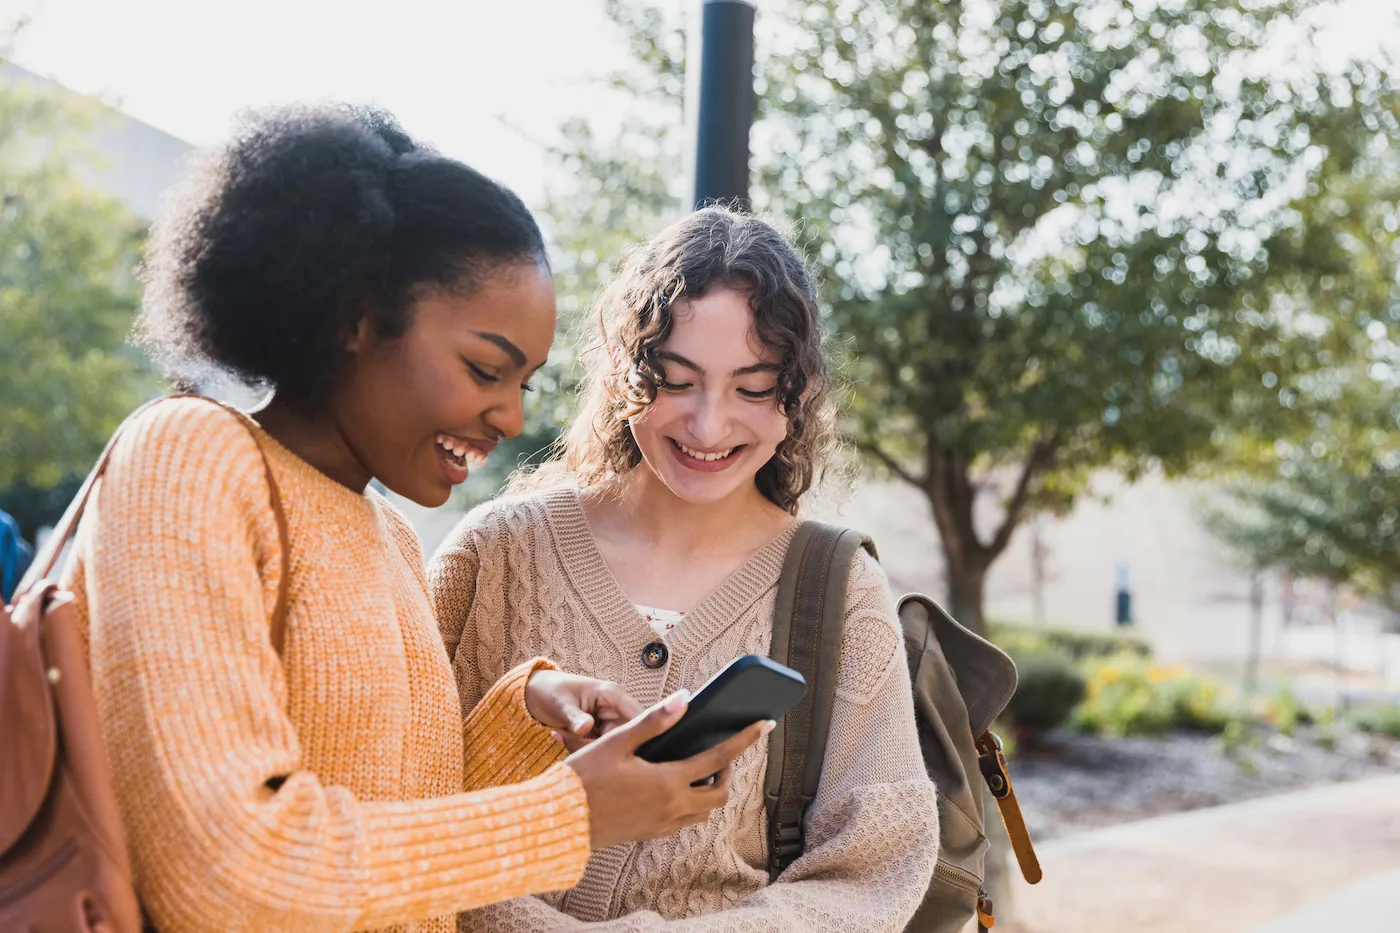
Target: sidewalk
x: 1373, y: 906
x: 1279, y: 864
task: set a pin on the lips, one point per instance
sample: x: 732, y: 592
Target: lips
x: 699, y: 454
x: 705, y: 461
x: 458, y: 455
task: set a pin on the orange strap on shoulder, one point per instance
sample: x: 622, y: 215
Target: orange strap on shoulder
x: 993, y: 766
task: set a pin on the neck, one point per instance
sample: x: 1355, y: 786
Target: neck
x: 316, y: 438
x: 744, y: 519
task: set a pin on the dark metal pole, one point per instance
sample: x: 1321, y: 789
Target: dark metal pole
x: 726, y: 104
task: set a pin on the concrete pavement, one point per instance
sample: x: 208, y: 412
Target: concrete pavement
x: 1275, y: 860
x: 1370, y: 906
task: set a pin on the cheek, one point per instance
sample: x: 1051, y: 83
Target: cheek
x: 770, y: 427
x: 423, y: 388
x: 655, y: 418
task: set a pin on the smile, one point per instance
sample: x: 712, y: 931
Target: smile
x: 464, y: 453
x: 702, y: 455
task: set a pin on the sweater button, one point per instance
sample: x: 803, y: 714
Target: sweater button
x: 654, y: 655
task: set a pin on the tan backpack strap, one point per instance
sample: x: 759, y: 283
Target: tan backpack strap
x: 993, y: 766
x: 44, y: 562
x: 809, y: 617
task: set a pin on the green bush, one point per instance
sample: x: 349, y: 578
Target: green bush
x: 1049, y: 686
x: 1129, y: 695
x: 1379, y: 720
x: 1284, y: 712
x: 1079, y: 646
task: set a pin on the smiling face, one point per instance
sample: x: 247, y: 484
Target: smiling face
x: 716, y: 420
x: 420, y: 410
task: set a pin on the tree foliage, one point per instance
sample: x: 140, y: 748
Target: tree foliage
x: 1327, y: 507
x: 1063, y: 236
x: 67, y: 301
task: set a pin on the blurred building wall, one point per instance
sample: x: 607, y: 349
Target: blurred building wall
x: 135, y: 161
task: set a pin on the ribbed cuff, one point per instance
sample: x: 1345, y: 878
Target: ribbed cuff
x: 478, y: 848
x: 504, y: 743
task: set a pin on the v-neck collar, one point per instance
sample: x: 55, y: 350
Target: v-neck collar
x: 604, y: 596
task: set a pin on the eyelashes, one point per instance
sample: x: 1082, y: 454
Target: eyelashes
x: 490, y: 378
x: 747, y: 394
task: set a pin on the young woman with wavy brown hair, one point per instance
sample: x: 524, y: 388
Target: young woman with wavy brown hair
x: 647, y: 552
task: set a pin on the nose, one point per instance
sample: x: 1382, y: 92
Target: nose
x: 709, y: 423
x: 507, y: 417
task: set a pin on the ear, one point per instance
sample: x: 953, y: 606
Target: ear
x: 362, y: 337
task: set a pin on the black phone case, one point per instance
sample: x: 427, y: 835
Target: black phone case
x: 749, y: 689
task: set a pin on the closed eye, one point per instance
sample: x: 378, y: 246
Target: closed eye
x: 665, y: 386
x: 757, y: 396
x: 480, y: 373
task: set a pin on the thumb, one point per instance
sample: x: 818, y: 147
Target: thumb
x: 652, y: 723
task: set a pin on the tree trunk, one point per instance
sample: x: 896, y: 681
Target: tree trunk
x: 967, y: 583
x: 1256, y: 632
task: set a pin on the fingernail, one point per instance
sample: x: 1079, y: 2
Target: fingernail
x: 558, y: 737
x: 769, y: 726
x: 677, y: 701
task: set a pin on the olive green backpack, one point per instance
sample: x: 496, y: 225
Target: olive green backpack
x: 961, y: 684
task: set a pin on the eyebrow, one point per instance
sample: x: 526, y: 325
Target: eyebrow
x: 741, y: 371
x: 511, y: 350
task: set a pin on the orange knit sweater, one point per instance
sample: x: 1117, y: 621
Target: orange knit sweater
x: 384, y: 814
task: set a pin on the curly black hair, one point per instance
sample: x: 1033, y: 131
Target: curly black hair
x: 311, y: 217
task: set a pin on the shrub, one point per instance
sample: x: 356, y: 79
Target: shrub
x: 1079, y: 646
x: 1379, y: 720
x: 1049, y: 687
x: 1129, y: 695
x: 1284, y: 712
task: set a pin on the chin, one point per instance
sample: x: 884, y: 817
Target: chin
x: 702, y: 491
x: 434, y: 498
x: 428, y: 495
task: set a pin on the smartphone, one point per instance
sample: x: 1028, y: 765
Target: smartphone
x: 749, y: 689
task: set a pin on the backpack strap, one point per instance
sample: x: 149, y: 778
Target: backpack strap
x: 47, y: 558
x: 809, y: 618
x: 992, y: 763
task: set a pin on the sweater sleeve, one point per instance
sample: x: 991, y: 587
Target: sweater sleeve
x: 228, y: 828
x: 453, y: 577
x: 872, y: 838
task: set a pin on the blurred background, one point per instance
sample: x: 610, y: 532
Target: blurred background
x: 1113, y: 286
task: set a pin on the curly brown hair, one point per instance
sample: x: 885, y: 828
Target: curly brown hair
x: 713, y: 248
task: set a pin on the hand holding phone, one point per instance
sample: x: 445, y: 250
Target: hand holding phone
x: 749, y: 689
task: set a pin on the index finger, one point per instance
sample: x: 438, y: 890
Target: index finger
x: 713, y: 760
x: 620, y: 702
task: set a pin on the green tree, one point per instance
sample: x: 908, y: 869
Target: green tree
x: 1329, y: 506
x: 1063, y: 236
x: 67, y: 301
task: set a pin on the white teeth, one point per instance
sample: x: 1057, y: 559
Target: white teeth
x: 698, y: 455
x: 452, y: 445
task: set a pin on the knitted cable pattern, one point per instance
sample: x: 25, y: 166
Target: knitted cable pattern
x: 523, y: 575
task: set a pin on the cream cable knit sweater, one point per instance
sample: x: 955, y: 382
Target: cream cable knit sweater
x: 522, y: 577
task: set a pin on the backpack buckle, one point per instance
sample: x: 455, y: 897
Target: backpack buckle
x: 992, y: 763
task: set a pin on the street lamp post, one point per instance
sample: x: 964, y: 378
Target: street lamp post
x: 724, y: 111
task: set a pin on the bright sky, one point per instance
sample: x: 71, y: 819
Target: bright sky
x: 457, y: 73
